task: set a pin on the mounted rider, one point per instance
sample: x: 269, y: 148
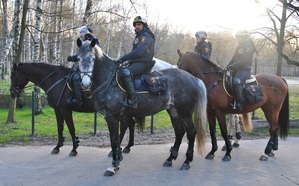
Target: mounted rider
x: 241, y: 64
x: 139, y: 60
x: 85, y: 34
x: 203, y: 46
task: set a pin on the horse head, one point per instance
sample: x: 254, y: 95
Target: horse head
x: 86, y: 58
x: 18, y: 82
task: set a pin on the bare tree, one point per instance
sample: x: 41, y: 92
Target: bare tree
x: 12, y: 108
x: 278, y: 31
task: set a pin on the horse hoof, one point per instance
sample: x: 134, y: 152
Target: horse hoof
x: 111, y: 171
x: 223, y: 148
x: 210, y: 157
x: 126, y: 150
x: 236, y: 145
x: 264, y: 158
x: 226, y: 158
x: 271, y: 154
x: 110, y: 154
x: 55, y: 151
x: 73, y: 153
x: 167, y: 164
x: 185, y: 166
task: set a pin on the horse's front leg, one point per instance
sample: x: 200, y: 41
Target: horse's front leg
x: 212, y: 128
x: 113, y: 125
x: 71, y: 126
x: 223, y: 128
x: 59, y: 120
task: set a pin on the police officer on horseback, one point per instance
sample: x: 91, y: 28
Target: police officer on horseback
x: 85, y: 34
x: 139, y: 60
x: 241, y: 64
x: 203, y: 46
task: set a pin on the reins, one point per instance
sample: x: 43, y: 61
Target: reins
x: 39, y: 84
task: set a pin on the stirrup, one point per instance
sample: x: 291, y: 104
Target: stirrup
x: 75, y: 102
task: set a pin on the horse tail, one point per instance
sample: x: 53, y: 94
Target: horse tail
x: 283, y: 118
x: 246, y: 121
x: 200, y: 118
x: 140, y: 123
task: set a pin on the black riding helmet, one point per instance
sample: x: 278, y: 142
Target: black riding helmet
x: 140, y: 19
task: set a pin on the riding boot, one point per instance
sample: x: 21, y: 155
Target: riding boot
x: 132, y: 99
x: 238, y: 91
x: 77, y: 93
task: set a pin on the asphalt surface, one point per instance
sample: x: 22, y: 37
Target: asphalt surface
x: 35, y: 166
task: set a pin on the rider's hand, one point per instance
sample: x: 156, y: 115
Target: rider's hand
x: 119, y: 61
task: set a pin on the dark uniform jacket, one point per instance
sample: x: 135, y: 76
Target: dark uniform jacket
x: 242, y: 59
x: 143, y: 48
x: 204, y: 48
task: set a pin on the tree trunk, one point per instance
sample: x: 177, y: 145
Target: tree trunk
x: 11, y: 112
x: 36, y: 55
x: 14, y: 38
x: 280, y: 39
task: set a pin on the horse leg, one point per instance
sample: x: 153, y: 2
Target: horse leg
x: 179, y: 134
x: 271, y: 145
x: 212, y: 128
x: 70, y: 124
x: 223, y: 129
x: 130, y: 122
x: 113, y: 126
x: 191, y: 133
x: 59, y: 120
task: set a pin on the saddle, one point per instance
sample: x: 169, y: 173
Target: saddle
x: 252, y: 92
x: 152, y: 83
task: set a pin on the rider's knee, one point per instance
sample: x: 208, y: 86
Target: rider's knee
x: 236, y: 81
x: 126, y: 72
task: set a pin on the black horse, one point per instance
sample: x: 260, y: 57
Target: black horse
x: 53, y: 80
x: 185, y: 96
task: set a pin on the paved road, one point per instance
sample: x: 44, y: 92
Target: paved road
x: 35, y: 166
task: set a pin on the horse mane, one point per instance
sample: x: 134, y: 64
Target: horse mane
x: 199, y: 57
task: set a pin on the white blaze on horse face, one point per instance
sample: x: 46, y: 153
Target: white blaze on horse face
x: 86, y: 66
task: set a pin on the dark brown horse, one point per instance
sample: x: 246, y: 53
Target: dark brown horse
x: 275, y: 104
x: 52, y: 79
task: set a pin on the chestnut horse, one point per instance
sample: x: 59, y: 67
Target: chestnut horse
x: 275, y: 103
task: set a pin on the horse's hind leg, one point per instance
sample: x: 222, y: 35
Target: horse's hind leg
x: 59, y: 120
x: 179, y: 130
x: 127, y: 122
x: 271, y: 145
x: 191, y: 133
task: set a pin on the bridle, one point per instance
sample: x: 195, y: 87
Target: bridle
x: 19, y: 91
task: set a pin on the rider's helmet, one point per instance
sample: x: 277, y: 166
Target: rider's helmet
x: 242, y: 33
x: 201, y: 34
x: 83, y: 30
x: 140, y: 19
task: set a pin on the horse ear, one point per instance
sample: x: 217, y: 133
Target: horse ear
x: 93, y: 42
x: 179, y: 52
x: 79, y: 42
x: 14, y: 68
